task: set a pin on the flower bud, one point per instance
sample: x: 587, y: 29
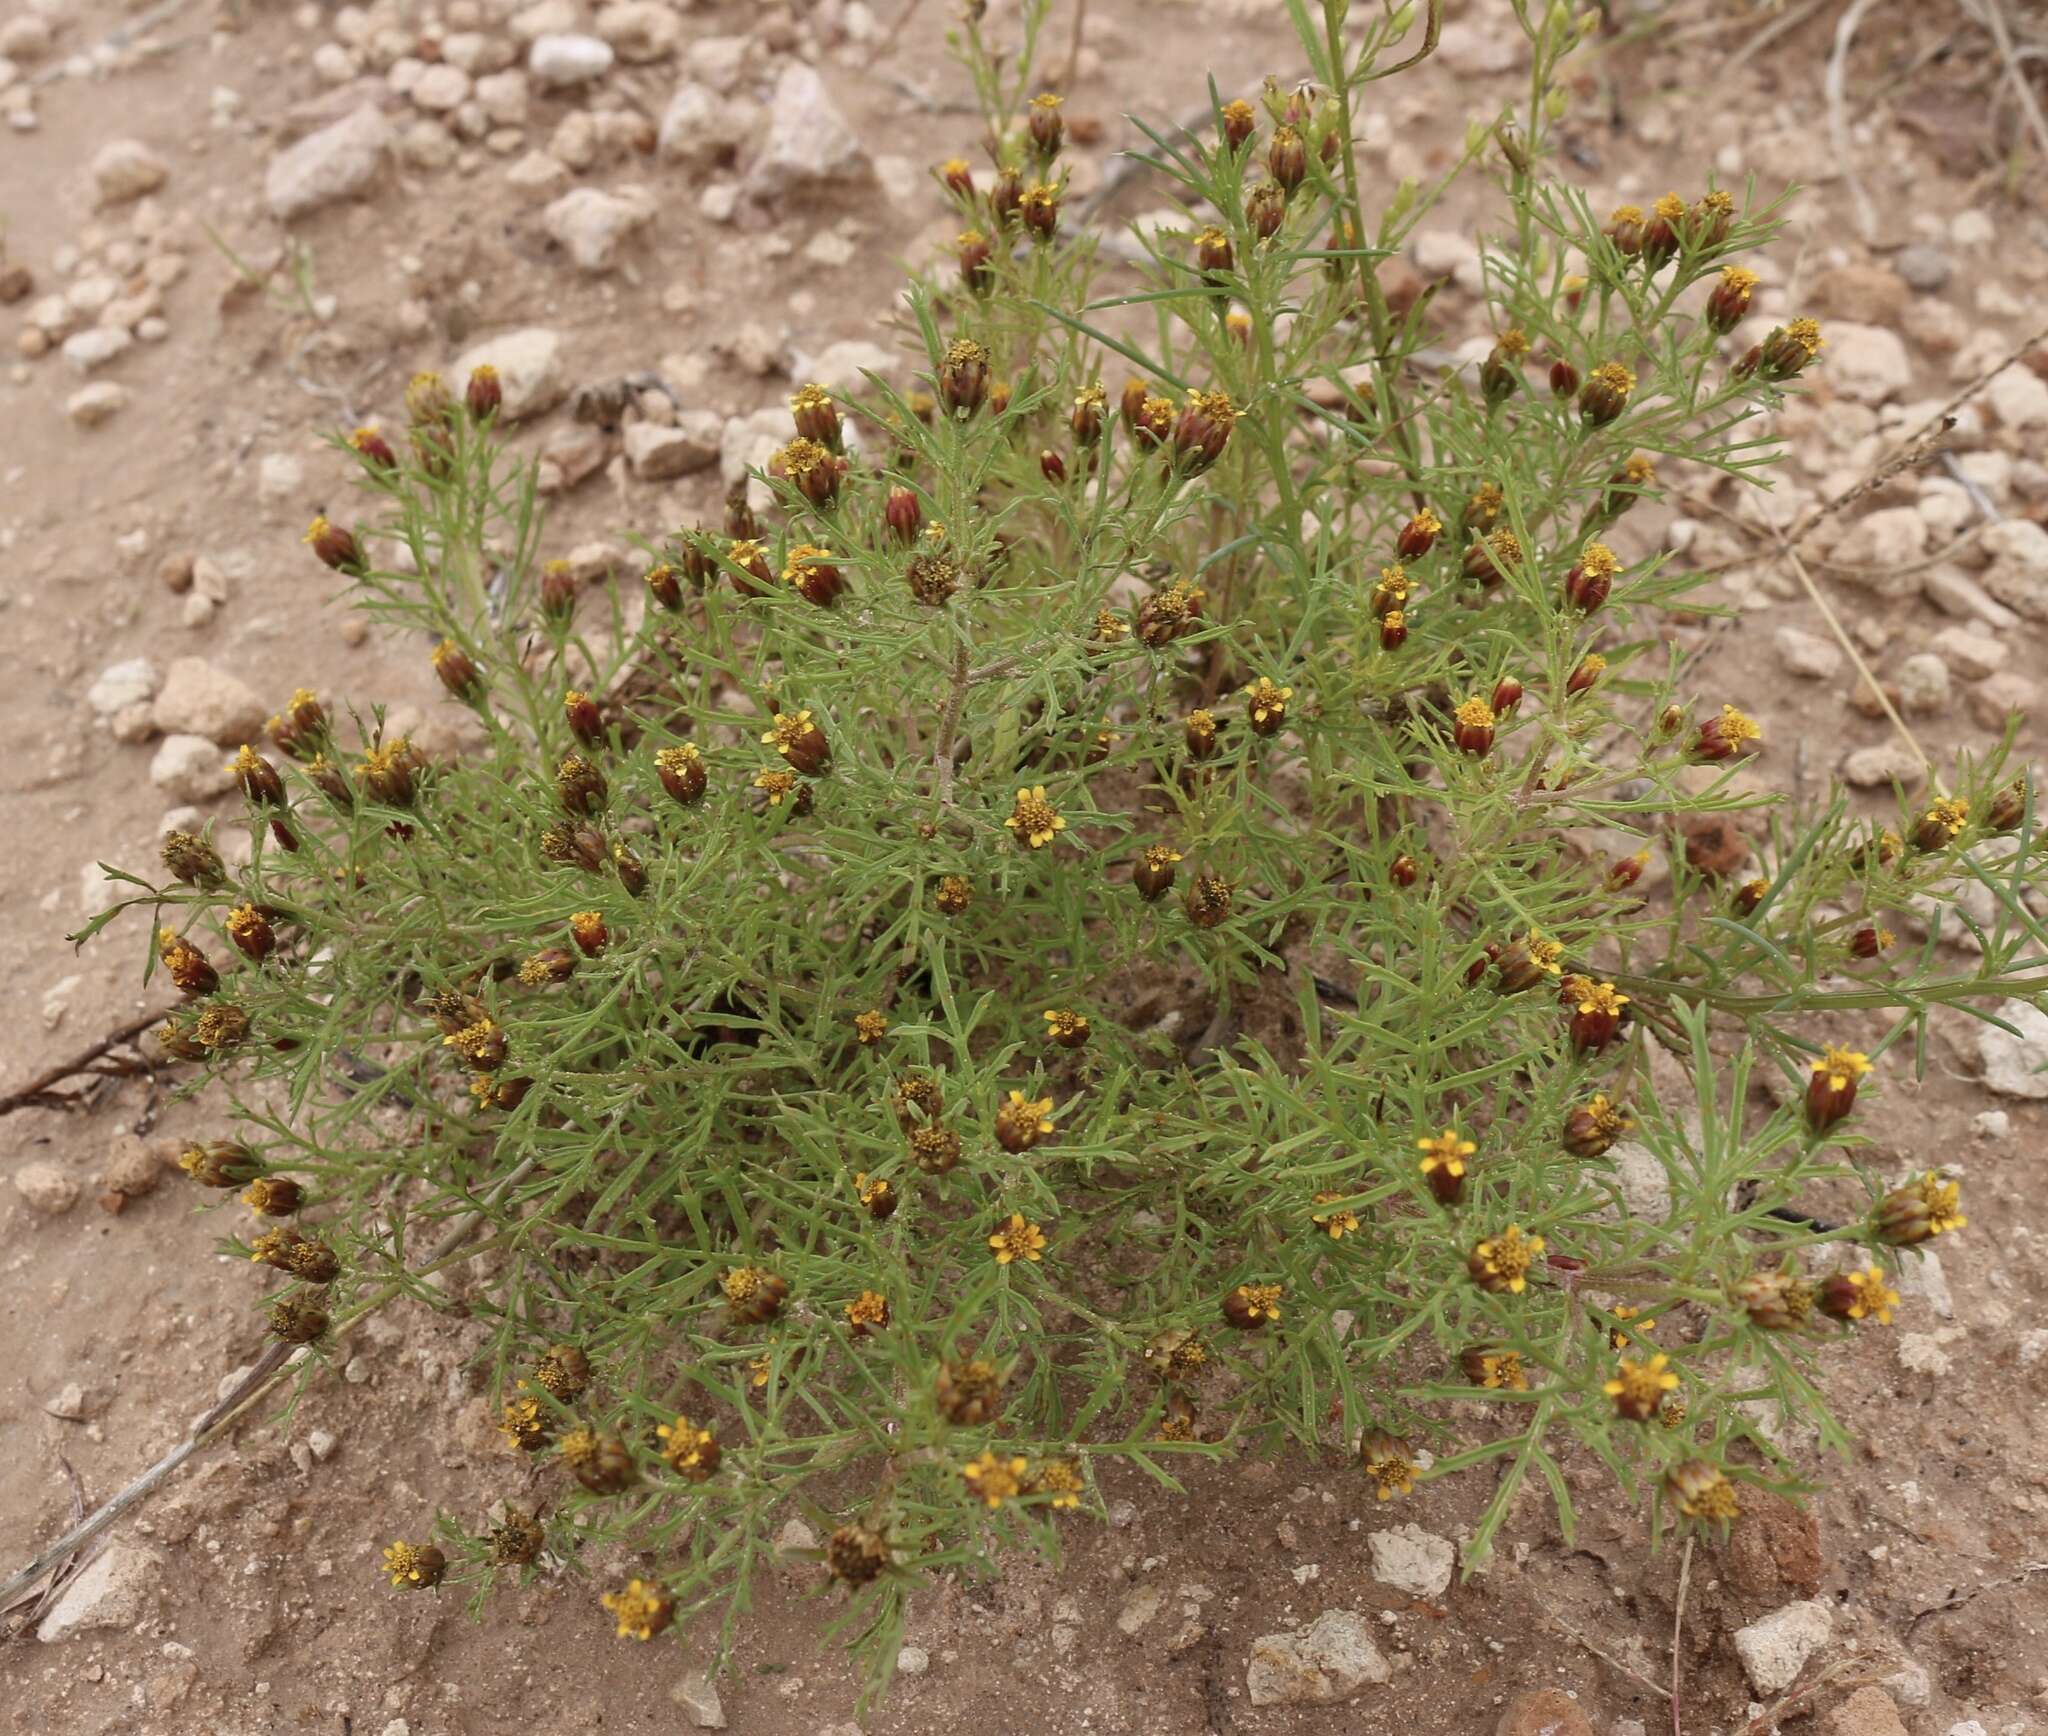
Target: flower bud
x: 1052, y: 466
x: 1418, y: 536
x: 932, y: 577
x: 1564, y: 378
x: 1482, y: 510
x: 1774, y: 1301
x: 251, y: 932
x: 1789, y: 350
x: 557, y: 590
x: 1591, y: 1129
x: 681, y: 770
x: 1604, y: 395
x: 1472, y: 726
x: 1040, y: 210
x: 1493, y: 557
x: 1589, y: 670
x: 1239, y: 121
x: 1596, y: 1021
x: 186, y: 965
x: 590, y: 932
x: 1941, y: 824
x: 1393, y: 630
x: 1404, y: 871
x: 1203, y: 429
x: 816, y: 417
x: 219, y: 1163
x: 484, y: 394
x: 273, y: 1196
x: 374, y: 450
x: 800, y: 741
x: 580, y: 786
x: 1005, y: 195
x: 329, y: 779
x: 456, y: 672
x: 1919, y: 1211
x: 2007, y: 807
x: 748, y: 557
x: 902, y: 513
x: 1250, y: 1307
x: 1213, y: 256
x: 1507, y: 694
x: 1709, y: 220
x: 1085, y: 421
x: 1265, y: 209
x: 753, y: 1296
x: 335, y: 545
x: 1625, y: 871
x: 1831, y: 1090
x: 1870, y: 940
x: 963, y: 377
x: 1287, y: 158
x: 1208, y: 900
x: 810, y: 570
x: 1154, y: 422
x: 1390, y: 590
x: 1660, y: 232
x: 1726, y: 736
x: 1860, y: 1295
x: 1046, y: 125
x: 285, y: 1250
x: 1728, y: 305
x: 294, y: 1320
x: 427, y: 399
x: 600, y: 1463
x: 1152, y: 874
x: 258, y: 778
x: 1625, y: 230
x: 957, y: 178
x: 1199, y: 731
x: 1500, y: 375
x: 1588, y: 584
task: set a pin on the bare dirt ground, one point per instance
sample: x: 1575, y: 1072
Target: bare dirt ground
x: 254, y: 1604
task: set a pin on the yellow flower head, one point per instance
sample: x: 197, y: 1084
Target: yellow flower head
x: 1338, y: 1224
x: 870, y: 1027
x: 1598, y: 561
x: 1602, y: 998
x: 1842, y: 1067
x: 1066, y: 1027
x: 414, y: 1566
x: 643, y: 1609
x: 1387, y: 1465
x: 1874, y: 1297
x: 1502, y: 1262
x: 868, y: 1311
x: 1446, y: 1152
x: 1513, y: 342
x: 1671, y: 208
x: 1019, y: 1239
x: 1616, y: 375
x: 1638, y: 1388
x: 1475, y: 713
x: 1060, y: 1479
x: 1806, y: 334
x: 1947, y: 815
x: 1738, y: 279
x: 1034, y: 820
x: 1738, y: 726
x: 996, y: 1480
x: 1265, y: 702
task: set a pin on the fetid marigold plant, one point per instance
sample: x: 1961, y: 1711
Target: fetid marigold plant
x: 1099, y: 915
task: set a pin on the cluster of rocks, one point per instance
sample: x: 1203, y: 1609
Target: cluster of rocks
x: 115, y: 278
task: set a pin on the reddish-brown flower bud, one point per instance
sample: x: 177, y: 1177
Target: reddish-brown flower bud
x: 335, y: 545
x: 1591, y: 1129
x: 1589, y: 670
x: 1208, y: 900
x: 1831, y: 1089
x: 1507, y: 694
x: 1005, y: 195
x: 1052, y: 466
x: 1287, y: 158
x: 1472, y: 726
x: 258, y: 777
x: 552, y: 964
x: 580, y: 786
x: 975, y: 257
x: 932, y: 576
x: 963, y: 377
x: 1564, y: 378
x: 1404, y: 870
x: 590, y: 932
x: 1789, y: 350
x: 1588, y: 584
x: 1625, y: 230
x: 2007, y: 807
x: 1393, y: 630
x: 1199, y: 732
x: 814, y: 576
x: 1605, y: 394
x: 681, y: 770
x: 1250, y: 1307
x: 1418, y: 536
x: 1624, y: 871
x: 1500, y: 375
x: 557, y: 590
x: 903, y: 513
x: 632, y: 872
x: 1660, y: 232
x: 1774, y: 1301
x: 1239, y: 121
x: 1728, y: 305
x: 186, y: 964
x: 1869, y: 941
x: 1203, y: 429
x: 1169, y: 612
x: 1919, y: 1211
x: 1154, y: 423
x: 802, y: 744
x: 1265, y: 209
x: 374, y: 449
x: 1493, y: 557
x: 748, y: 558
x: 1046, y: 125
x: 456, y: 671
x: 1596, y: 1020
x: 1213, y: 255
x: 583, y: 715
x: 1152, y: 873
x: 957, y: 178
x: 1040, y: 210
x: 1085, y: 421
x: 484, y: 394
x: 816, y: 417
x: 1726, y: 735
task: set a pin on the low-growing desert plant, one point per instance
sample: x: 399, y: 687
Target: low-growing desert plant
x: 1110, y: 920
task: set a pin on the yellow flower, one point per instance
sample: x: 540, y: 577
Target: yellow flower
x: 1638, y: 1388
x: 1446, y: 1152
x: 1266, y: 703
x: 1339, y: 1224
x: 642, y: 1609
x: 1017, y: 1240
x: 996, y: 1480
x: 1387, y: 1463
x: 1066, y: 1028
x: 415, y: 1566
x: 868, y: 1312
x: 1034, y: 820
x: 1842, y: 1067
x: 870, y: 1027
x: 1061, y: 1479
x: 1502, y: 1262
